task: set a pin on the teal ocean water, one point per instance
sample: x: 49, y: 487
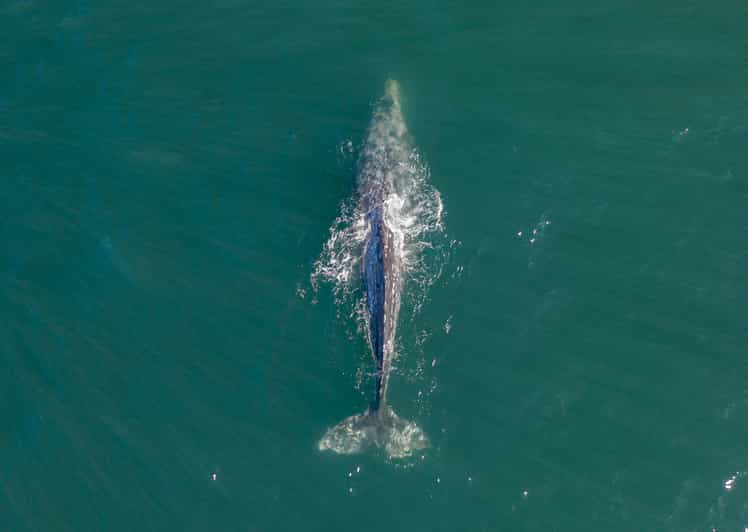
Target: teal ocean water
x: 572, y: 340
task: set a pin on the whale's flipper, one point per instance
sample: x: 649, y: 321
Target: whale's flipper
x: 375, y: 428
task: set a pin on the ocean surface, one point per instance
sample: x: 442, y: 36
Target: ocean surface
x: 176, y: 184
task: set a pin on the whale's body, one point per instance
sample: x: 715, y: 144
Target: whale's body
x: 382, y: 286
x: 382, y: 277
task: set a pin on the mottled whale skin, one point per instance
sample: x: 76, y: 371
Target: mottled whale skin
x: 381, y: 279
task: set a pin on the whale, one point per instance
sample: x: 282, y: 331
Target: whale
x: 382, y: 284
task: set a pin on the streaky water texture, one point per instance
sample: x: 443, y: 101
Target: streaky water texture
x: 394, y: 209
x: 169, y: 172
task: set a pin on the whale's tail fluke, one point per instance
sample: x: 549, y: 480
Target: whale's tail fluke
x: 380, y: 428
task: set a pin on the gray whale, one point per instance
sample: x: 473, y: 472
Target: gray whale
x: 381, y: 266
